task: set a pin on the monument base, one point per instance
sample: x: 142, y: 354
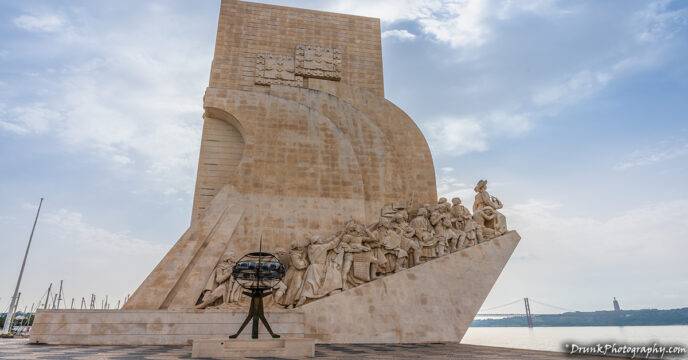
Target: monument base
x: 271, y: 348
x: 152, y: 327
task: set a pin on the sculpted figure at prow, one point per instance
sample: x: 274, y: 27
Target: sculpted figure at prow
x: 491, y: 222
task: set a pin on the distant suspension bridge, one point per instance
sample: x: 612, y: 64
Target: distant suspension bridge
x: 527, y: 311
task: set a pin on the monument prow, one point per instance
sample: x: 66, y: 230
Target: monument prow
x: 431, y: 302
x: 435, y: 301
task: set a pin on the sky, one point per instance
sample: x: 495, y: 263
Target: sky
x: 575, y: 111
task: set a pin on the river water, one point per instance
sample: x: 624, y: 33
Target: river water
x: 551, y: 338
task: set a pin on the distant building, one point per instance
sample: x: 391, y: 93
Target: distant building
x: 616, y: 305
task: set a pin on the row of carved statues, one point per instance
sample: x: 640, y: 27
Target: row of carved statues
x: 403, y: 237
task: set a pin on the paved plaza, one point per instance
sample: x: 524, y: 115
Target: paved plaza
x: 21, y: 349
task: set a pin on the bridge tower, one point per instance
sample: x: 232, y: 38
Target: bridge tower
x: 529, y: 316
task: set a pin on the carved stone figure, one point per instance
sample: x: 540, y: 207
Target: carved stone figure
x: 424, y: 233
x: 389, y: 242
x: 221, y: 285
x: 452, y: 235
x: 314, y: 278
x: 440, y: 202
x: 277, y: 297
x: 283, y: 256
x: 473, y: 234
x: 355, y: 234
x: 394, y: 212
x: 492, y: 223
x: 293, y: 279
x: 333, y: 281
x: 409, y: 244
x: 278, y: 292
x: 437, y: 220
x: 459, y: 214
x: 388, y: 211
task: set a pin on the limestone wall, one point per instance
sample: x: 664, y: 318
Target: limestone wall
x: 144, y: 327
x: 246, y: 30
x: 317, y: 152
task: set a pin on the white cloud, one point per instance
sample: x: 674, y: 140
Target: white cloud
x: 658, y: 23
x: 40, y: 23
x: 463, y: 25
x: 627, y: 235
x: 402, y: 35
x: 547, y: 91
x: 475, y: 24
x: 509, y: 124
x: 663, y: 151
x: 545, y: 94
x: 651, y: 29
x: 459, y: 23
x: 70, y: 226
x: 35, y: 119
x: 457, y: 136
x: 127, y: 94
x: 574, y: 88
x: 97, y: 260
x: 121, y: 159
x: 388, y: 10
x: 7, y: 219
x: 508, y: 9
x: 449, y: 186
x: 630, y: 252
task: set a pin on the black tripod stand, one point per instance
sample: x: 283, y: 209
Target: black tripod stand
x: 255, y: 313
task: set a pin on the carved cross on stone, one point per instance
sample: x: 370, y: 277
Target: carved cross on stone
x: 318, y: 62
x: 276, y: 70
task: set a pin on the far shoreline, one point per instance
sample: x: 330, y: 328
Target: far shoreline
x: 645, y: 317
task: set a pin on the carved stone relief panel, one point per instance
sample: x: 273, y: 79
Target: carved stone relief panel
x: 276, y: 70
x: 318, y: 62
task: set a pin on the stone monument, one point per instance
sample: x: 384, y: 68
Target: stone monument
x: 300, y: 146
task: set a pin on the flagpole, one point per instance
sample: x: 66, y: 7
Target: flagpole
x: 13, y: 303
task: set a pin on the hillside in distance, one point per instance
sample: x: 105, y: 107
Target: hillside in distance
x: 646, y: 317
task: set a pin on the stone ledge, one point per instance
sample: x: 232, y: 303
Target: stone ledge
x: 232, y: 349
x: 159, y: 327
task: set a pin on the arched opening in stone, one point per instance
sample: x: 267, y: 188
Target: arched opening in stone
x: 222, y: 147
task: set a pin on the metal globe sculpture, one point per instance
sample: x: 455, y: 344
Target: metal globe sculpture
x: 258, y: 270
x: 258, y: 273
